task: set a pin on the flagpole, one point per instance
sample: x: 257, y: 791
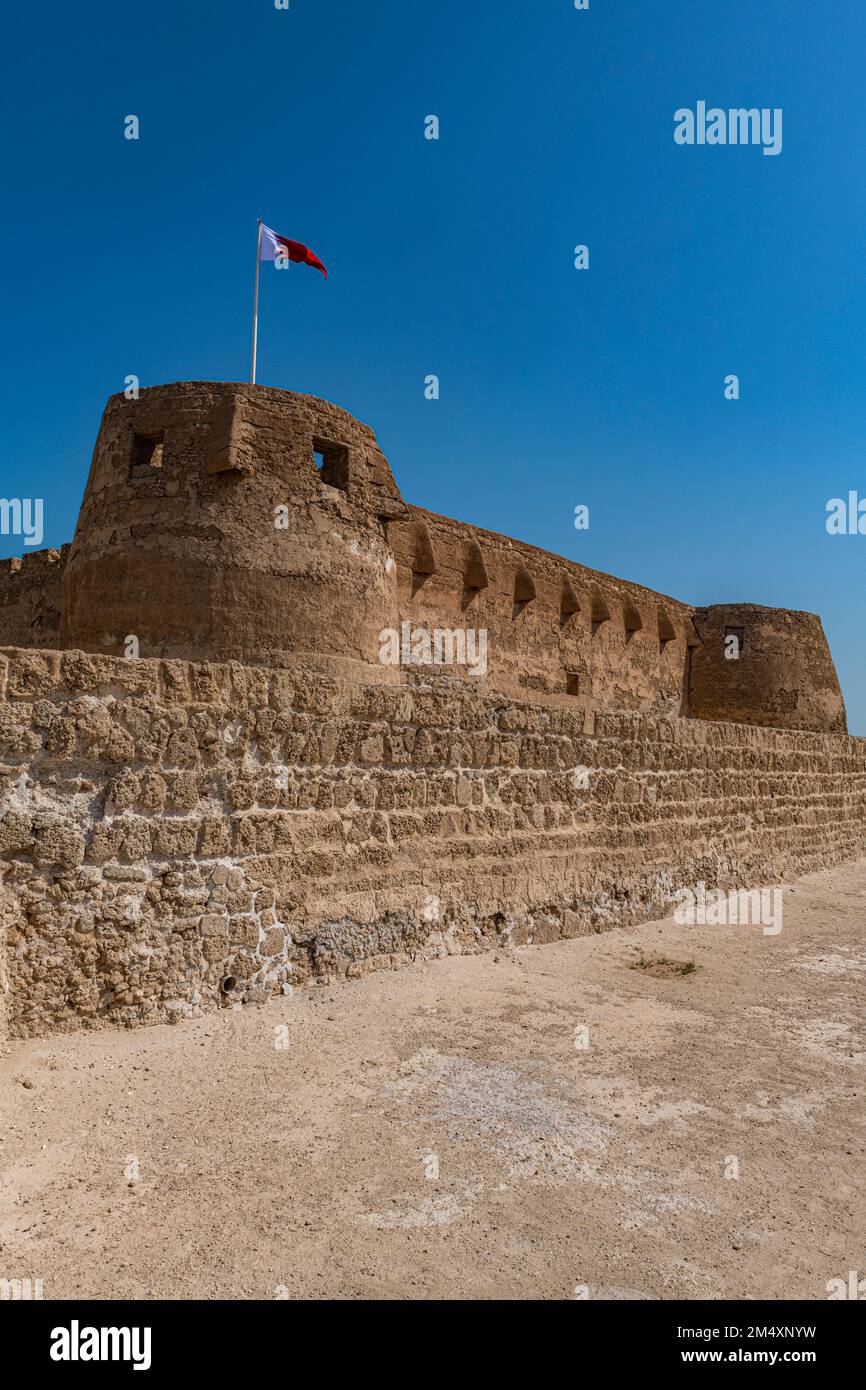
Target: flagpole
x: 256, y: 302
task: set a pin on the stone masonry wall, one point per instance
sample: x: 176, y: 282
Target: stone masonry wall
x: 783, y: 675
x: 31, y: 599
x: 584, y: 639
x: 228, y: 522
x: 176, y: 836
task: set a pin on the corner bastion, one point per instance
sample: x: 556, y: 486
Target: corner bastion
x: 213, y: 787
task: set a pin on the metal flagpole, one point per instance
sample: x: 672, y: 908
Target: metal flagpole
x: 256, y: 303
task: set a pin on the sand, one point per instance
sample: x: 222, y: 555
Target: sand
x: 548, y: 1123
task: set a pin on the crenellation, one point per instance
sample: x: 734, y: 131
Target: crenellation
x: 251, y: 801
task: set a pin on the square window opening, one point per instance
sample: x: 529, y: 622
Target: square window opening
x: 145, y: 455
x: 332, y: 463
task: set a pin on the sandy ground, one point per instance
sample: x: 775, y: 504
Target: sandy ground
x: 436, y: 1132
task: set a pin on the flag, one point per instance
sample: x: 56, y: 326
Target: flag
x: 274, y: 245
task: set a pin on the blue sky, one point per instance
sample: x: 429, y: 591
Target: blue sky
x: 455, y: 257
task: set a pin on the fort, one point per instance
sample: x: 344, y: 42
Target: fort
x: 256, y: 801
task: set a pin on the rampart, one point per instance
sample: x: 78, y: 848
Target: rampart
x: 256, y: 802
x: 180, y: 835
x: 225, y: 522
x: 31, y: 598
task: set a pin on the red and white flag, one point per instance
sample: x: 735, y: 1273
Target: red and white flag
x: 270, y: 246
x: 273, y: 246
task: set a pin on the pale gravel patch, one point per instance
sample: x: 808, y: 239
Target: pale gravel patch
x: 605, y: 1168
x: 441, y: 1210
x: 834, y: 962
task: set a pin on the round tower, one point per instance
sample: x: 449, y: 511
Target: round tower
x: 223, y: 521
x: 767, y: 666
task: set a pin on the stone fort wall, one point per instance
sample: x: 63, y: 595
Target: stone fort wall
x: 177, y: 545
x: 254, y: 801
x: 178, y: 835
x: 31, y: 598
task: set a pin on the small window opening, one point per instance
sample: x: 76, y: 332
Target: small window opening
x: 599, y: 613
x: 524, y: 591
x: 332, y: 463
x: 667, y: 631
x: 632, y: 622
x: 572, y: 683
x: 146, y: 454
x: 740, y: 634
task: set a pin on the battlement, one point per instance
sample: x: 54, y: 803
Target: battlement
x: 176, y: 836
x: 31, y: 597
x: 355, y: 733
x: 38, y: 560
x: 228, y: 522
